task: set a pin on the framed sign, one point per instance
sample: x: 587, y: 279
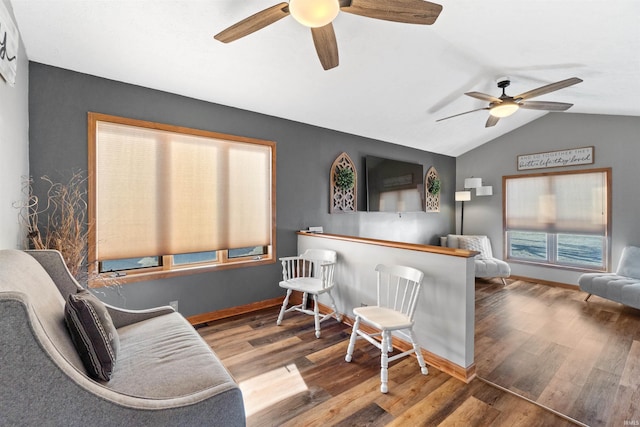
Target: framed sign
x: 8, y: 46
x: 555, y: 159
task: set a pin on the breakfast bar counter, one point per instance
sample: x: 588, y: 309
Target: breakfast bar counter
x: 444, y: 318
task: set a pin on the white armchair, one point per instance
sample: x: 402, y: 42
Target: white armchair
x: 310, y: 274
x: 486, y: 265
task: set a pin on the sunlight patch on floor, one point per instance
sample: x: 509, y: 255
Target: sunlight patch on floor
x: 270, y: 388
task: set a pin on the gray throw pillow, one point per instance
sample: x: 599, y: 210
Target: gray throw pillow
x: 93, y: 334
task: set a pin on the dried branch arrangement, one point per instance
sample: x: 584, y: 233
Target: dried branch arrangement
x: 62, y: 223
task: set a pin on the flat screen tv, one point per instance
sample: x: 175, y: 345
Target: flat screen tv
x: 394, y: 185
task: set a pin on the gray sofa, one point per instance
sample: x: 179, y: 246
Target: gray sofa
x: 623, y: 286
x: 164, y: 375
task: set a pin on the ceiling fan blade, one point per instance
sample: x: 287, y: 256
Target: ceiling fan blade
x: 483, y: 96
x: 406, y: 11
x: 544, y: 105
x: 253, y: 23
x: 324, y: 39
x: 548, y: 88
x: 461, y: 114
x: 491, y: 121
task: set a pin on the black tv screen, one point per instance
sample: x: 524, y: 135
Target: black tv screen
x: 394, y: 185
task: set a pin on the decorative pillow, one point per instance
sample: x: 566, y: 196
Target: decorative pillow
x: 452, y: 241
x: 476, y: 243
x: 93, y: 334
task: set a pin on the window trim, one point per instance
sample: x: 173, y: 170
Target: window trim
x: 167, y: 269
x: 607, y: 235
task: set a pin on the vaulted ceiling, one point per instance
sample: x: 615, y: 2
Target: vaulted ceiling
x: 394, y: 80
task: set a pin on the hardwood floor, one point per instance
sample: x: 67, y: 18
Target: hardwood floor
x: 544, y: 343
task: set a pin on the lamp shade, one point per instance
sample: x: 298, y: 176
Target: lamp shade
x: 314, y: 13
x: 486, y: 190
x: 463, y: 196
x: 505, y: 109
x: 472, y: 182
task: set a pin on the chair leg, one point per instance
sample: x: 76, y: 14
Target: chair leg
x: 384, y: 362
x: 284, y: 307
x: 335, y: 309
x: 423, y: 366
x: 352, y: 340
x: 316, y: 315
x: 587, y: 298
x: 504, y: 282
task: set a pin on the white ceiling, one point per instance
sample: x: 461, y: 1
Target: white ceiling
x: 394, y: 80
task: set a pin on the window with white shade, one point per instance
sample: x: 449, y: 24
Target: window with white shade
x: 164, y: 200
x: 560, y: 219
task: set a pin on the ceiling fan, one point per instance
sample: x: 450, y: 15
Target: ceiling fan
x: 318, y: 15
x: 505, y: 105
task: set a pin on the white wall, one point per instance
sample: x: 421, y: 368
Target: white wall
x: 14, y: 149
x: 444, y: 318
x: 615, y: 139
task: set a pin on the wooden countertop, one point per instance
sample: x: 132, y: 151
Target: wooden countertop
x: 463, y: 253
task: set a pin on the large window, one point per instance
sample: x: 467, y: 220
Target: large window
x: 559, y: 219
x: 165, y: 200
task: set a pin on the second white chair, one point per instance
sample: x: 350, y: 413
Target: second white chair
x: 311, y: 274
x: 398, y: 288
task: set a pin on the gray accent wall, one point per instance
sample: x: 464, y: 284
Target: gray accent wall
x: 617, y: 145
x: 14, y: 146
x: 60, y: 99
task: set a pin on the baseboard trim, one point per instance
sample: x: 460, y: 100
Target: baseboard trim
x: 440, y: 363
x: 543, y: 282
x: 225, y: 313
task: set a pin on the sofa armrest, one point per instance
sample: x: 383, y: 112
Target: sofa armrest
x: 122, y: 317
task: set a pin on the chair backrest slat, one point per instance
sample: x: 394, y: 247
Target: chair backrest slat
x: 398, y: 287
x: 313, y: 263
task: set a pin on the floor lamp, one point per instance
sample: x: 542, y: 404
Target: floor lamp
x: 462, y: 196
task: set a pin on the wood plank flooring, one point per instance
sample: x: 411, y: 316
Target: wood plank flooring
x: 544, y: 343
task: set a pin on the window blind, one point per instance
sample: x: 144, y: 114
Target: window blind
x: 161, y: 192
x: 562, y: 203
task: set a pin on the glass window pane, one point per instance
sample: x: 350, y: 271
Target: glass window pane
x: 528, y: 245
x: 250, y: 251
x: 576, y: 249
x: 195, y: 257
x: 129, y: 263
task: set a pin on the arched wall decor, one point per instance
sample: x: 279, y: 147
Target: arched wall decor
x: 432, y: 199
x: 343, y: 198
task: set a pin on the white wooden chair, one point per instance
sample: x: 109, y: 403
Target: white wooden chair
x: 311, y: 274
x: 398, y: 288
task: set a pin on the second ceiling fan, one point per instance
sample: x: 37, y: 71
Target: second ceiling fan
x: 505, y: 105
x: 319, y: 14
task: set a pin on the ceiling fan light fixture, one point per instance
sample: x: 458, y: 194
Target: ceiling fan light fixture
x: 314, y: 13
x: 504, y: 109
